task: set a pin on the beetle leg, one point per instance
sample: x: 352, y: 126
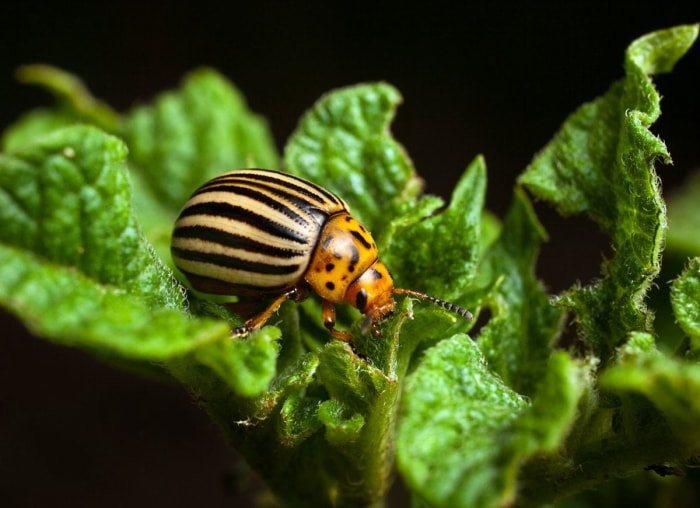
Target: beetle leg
x: 328, y: 310
x: 260, y: 319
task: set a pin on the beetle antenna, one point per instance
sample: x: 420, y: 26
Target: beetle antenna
x: 442, y: 303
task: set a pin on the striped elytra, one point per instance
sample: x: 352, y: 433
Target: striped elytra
x: 271, y: 236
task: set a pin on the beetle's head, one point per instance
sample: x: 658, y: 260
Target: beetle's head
x: 372, y: 294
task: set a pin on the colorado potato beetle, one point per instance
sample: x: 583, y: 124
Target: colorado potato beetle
x: 271, y: 236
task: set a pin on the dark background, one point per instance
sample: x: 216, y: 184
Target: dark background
x: 496, y: 80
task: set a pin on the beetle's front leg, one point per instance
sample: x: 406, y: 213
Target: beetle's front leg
x: 328, y: 310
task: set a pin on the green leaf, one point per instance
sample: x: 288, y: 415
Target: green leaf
x: 248, y: 366
x: 518, y: 339
x: 193, y: 134
x: 32, y: 125
x: 542, y: 435
x: 61, y: 304
x: 454, y: 409
x: 348, y: 378
x: 299, y: 420
x: 685, y: 299
x: 344, y: 142
x: 684, y: 217
x: 464, y: 434
x: 438, y: 254
x: 67, y: 199
x: 671, y: 385
x: 343, y: 427
x: 75, y: 266
x: 602, y: 163
x: 658, y: 52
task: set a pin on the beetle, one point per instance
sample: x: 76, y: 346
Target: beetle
x: 271, y: 236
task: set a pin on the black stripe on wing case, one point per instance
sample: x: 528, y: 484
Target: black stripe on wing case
x: 239, y: 214
x: 234, y: 263
x: 218, y: 236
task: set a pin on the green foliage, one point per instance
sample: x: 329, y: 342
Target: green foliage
x: 416, y: 240
x: 348, y: 130
x: 513, y: 415
x: 685, y: 298
x: 466, y: 434
x: 518, y: 339
x: 602, y: 163
x: 181, y: 141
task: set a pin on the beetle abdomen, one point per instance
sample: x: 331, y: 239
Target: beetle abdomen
x: 250, y: 232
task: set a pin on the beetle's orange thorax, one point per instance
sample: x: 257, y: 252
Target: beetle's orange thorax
x: 345, y: 250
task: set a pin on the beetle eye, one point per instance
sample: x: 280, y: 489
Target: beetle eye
x: 361, y: 300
